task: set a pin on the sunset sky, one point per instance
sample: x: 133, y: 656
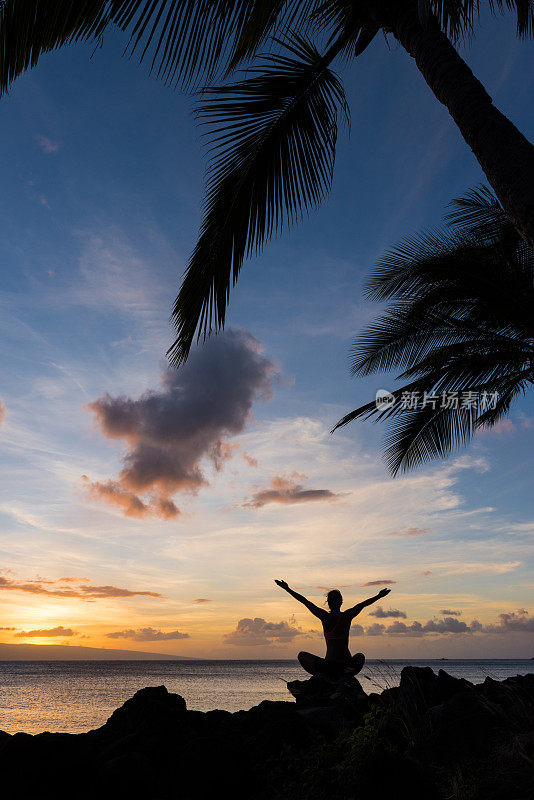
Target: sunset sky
x: 148, y: 509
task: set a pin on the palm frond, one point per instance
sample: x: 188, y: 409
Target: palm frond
x: 29, y: 28
x: 459, y: 319
x: 185, y: 41
x: 477, y: 214
x: 423, y: 434
x: 426, y: 434
x: 416, y: 262
x: 457, y: 17
x: 270, y: 18
x: 508, y: 392
x: 345, y: 18
x: 272, y: 143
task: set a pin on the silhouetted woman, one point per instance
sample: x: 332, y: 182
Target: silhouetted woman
x: 336, y: 628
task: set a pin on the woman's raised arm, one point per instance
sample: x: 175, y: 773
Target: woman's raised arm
x: 355, y: 610
x: 315, y: 610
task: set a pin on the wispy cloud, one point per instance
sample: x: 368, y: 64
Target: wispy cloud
x: 411, y: 531
x: 47, y: 145
x: 471, y: 568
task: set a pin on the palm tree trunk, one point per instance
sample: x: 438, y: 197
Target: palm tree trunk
x: 504, y: 154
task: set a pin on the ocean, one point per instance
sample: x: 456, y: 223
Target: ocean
x: 76, y: 696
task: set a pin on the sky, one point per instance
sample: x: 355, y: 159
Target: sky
x: 147, y: 509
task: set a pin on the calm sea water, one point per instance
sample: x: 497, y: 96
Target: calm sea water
x: 76, y: 696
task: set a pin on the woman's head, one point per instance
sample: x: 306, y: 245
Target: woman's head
x: 334, y: 599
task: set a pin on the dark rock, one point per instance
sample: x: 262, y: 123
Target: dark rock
x: 422, y: 687
x: 432, y: 737
x: 326, y: 719
x: 217, y: 716
x: 214, y: 766
x: 4, y: 739
x: 150, y: 708
x: 275, y: 709
x: 128, y: 775
x: 320, y: 691
x: 461, y: 724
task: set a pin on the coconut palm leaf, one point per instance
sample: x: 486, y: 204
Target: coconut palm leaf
x: 267, y: 19
x: 187, y: 42
x: 29, y: 28
x: 457, y: 17
x: 184, y: 40
x: 460, y: 321
x: 478, y: 213
x: 272, y: 142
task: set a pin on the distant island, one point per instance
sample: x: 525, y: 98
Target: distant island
x: 61, y: 652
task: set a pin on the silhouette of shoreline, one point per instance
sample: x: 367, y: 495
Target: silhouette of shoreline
x: 336, y: 743
x: 76, y: 652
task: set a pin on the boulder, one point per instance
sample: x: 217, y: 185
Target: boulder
x: 326, y: 719
x: 424, y: 689
x: 151, y: 709
x: 345, y: 695
x: 460, y: 725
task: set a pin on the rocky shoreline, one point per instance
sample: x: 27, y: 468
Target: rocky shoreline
x: 433, y: 736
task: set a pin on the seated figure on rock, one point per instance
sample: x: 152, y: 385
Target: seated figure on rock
x: 338, y: 661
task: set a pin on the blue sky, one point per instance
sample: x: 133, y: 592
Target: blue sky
x: 103, y: 176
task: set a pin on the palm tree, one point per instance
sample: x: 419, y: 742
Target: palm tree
x: 273, y: 133
x: 460, y: 324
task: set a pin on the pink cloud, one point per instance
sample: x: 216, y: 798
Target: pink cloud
x: 288, y: 491
x: 84, y: 591
x: 379, y: 583
x: 131, y: 505
x: 501, y: 428
x: 412, y: 531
